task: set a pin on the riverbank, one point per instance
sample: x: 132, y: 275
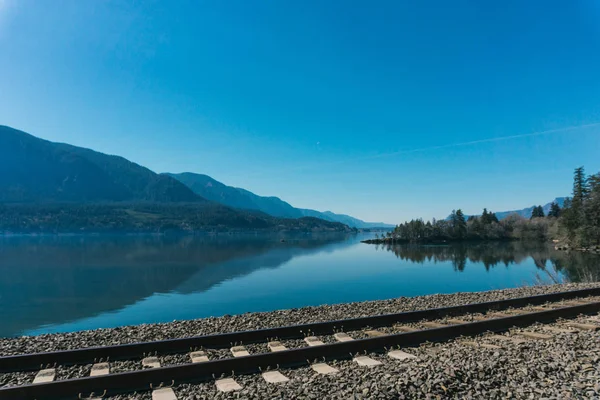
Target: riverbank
x: 248, y: 321
x: 392, y: 241
x: 589, y: 249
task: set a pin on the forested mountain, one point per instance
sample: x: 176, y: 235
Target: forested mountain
x: 40, y: 171
x: 48, y: 187
x: 211, y: 189
x: 146, y: 217
x: 36, y: 170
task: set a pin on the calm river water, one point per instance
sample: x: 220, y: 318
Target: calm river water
x: 59, y: 284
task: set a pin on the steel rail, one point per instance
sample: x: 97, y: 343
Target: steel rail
x: 198, y: 372
x: 32, y: 362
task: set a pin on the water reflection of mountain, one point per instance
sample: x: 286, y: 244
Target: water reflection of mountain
x: 213, y: 275
x: 52, y: 280
x: 577, y: 267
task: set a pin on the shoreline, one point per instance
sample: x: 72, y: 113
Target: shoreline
x: 557, y: 246
x: 257, y: 320
x: 566, y: 248
x: 206, y: 233
x: 180, y: 232
x: 391, y: 241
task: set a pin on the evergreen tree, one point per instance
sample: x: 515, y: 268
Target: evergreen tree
x: 569, y: 219
x: 580, y: 194
x: 453, y: 218
x: 573, y: 213
x: 554, y: 210
x: 580, y: 186
x: 460, y: 224
x: 580, y: 215
x: 537, y: 212
x: 591, y: 226
x: 428, y: 229
x: 493, y: 218
x: 485, y: 216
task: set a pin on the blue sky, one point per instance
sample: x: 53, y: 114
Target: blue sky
x: 385, y: 110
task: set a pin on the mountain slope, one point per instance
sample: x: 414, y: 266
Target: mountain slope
x: 351, y: 221
x: 48, y: 187
x: 211, y: 189
x: 526, y: 212
x: 38, y: 170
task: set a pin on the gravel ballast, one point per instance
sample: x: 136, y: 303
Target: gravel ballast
x: 566, y: 367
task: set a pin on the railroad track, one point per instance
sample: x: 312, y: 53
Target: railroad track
x: 350, y: 337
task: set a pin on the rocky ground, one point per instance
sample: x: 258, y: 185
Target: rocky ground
x: 568, y: 366
x: 566, y: 247
x: 228, y: 323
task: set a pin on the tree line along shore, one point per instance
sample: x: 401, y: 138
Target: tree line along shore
x: 575, y: 225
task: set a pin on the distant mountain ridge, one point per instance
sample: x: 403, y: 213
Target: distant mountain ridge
x: 525, y: 212
x: 211, y: 189
x: 48, y: 187
x: 36, y: 170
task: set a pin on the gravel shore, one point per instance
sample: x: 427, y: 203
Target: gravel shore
x: 568, y: 366
x: 179, y: 329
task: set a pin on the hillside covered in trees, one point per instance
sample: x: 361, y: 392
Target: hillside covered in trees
x: 147, y: 218
x: 577, y: 222
x: 213, y: 190
x: 48, y: 187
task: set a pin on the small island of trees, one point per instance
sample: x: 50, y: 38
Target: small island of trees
x: 577, y: 223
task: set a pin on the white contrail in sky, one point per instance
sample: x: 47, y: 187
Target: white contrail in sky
x: 430, y: 148
x: 445, y: 146
x: 497, y: 139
